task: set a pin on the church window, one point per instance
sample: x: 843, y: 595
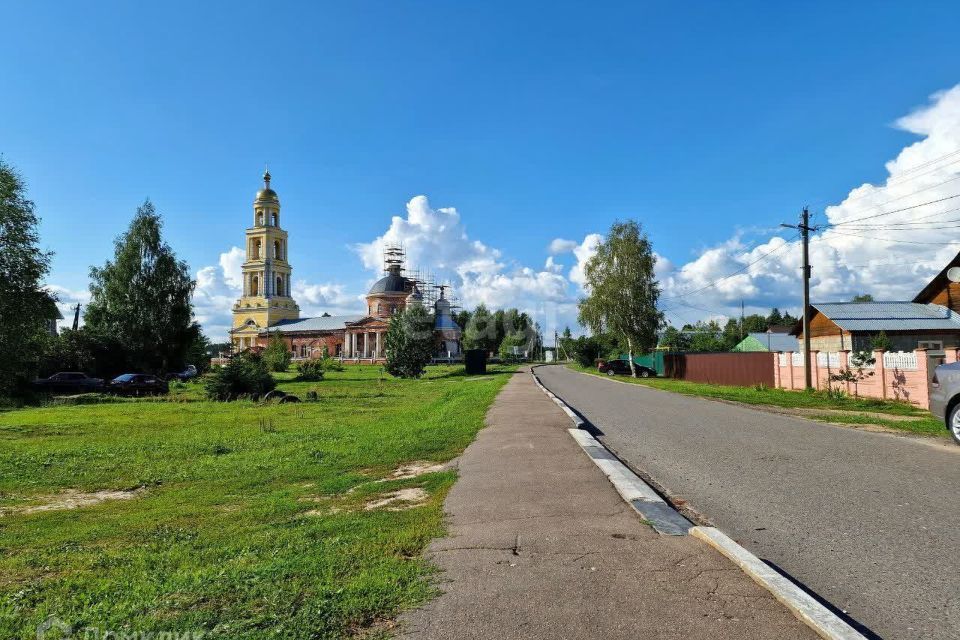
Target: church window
x: 379, y: 308
x: 274, y: 217
x: 260, y: 217
x: 279, y: 285
x: 276, y: 250
x: 255, y: 286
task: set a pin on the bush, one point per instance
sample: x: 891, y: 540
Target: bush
x: 245, y: 374
x: 310, y: 370
x: 332, y: 364
x: 277, y: 355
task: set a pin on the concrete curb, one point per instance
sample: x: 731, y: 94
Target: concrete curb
x: 666, y: 520
x: 637, y: 493
x: 816, y: 616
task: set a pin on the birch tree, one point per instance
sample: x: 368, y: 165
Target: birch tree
x: 622, y: 290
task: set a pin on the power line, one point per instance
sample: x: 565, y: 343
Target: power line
x: 855, y: 235
x: 887, y: 213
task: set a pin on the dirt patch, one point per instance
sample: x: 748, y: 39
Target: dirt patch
x: 399, y: 500
x: 73, y: 499
x: 417, y: 469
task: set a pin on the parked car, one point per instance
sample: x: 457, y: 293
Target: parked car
x: 68, y: 382
x: 138, y: 384
x: 945, y: 397
x: 183, y: 376
x: 622, y: 368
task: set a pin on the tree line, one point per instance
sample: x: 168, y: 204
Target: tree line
x: 140, y: 314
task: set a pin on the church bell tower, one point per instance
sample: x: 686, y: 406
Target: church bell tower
x: 266, y: 298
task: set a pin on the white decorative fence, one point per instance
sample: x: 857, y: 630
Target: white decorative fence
x: 782, y: 359
x: 903, y: 360
x: 830, y: 360
x: 797, y: 359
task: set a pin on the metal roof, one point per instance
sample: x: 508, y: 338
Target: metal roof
x: 322, y: 323
x: 776, y: 341
x: 889, y: 316
x: 391, y: 283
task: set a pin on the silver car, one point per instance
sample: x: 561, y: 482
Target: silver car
x: 945, y: 396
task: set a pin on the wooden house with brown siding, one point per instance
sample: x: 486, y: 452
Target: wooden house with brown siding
x: 941, y: 290
x: 931, y: 320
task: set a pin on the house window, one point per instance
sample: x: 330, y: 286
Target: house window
x: 303, y: 351
x: 379, y: 308
x: 930, y: 345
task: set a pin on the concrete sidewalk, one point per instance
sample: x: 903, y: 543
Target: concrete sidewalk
x: 542, y: 546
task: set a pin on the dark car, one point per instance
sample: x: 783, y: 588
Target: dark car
x: 138, y: 384
x: 622, y: 368
x: 188, y: 373
x: 68, y: 382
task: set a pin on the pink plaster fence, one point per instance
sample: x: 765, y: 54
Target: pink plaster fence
x: 896, y: 375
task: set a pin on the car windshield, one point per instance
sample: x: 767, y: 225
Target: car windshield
x: 127, y: 377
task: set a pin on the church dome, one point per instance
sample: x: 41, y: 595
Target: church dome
x: 267, y: 194
x: 390, y: 283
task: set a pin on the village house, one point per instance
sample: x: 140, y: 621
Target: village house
x: 930, y: 321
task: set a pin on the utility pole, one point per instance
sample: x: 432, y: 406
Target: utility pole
x: 741, y: 320
x: 805, y: 230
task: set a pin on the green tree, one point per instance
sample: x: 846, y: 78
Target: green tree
x: 481, y: 332
x: 622, y: 290
x: 674, y: 339
x: 409, y: 342
x: 277, y: 355
x: 707, y: 337
x: 25, y: 308
x: 862, y: 297
x: 462, y: 318
x: 881, y: 341
x: 142, y: 297
x: 775, y: 317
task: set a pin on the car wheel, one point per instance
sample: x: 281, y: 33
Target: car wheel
x: 953, y: 423
x: 611, y: 372
x: 644, y: 373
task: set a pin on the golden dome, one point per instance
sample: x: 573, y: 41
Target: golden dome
x: 267, y: 194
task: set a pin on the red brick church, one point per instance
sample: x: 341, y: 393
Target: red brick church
x: 359, y: 338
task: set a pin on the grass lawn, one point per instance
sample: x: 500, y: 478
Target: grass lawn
x: 242, y: 520
x: 837, y: 409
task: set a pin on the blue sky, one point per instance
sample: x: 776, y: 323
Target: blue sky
x: 535, y: 121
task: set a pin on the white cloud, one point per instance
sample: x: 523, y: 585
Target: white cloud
x: 854, y: 257
x: 218, y: 287
x: 437, y: 239
x: 559, y: 245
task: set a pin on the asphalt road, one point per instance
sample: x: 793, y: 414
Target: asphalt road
x: 868, y: 521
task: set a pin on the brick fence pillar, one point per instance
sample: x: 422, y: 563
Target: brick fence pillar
x: 790, y: 371
x: 880, y: 371
x: 949, y: 355
x: 815, y: 368
x: 923, y: 382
